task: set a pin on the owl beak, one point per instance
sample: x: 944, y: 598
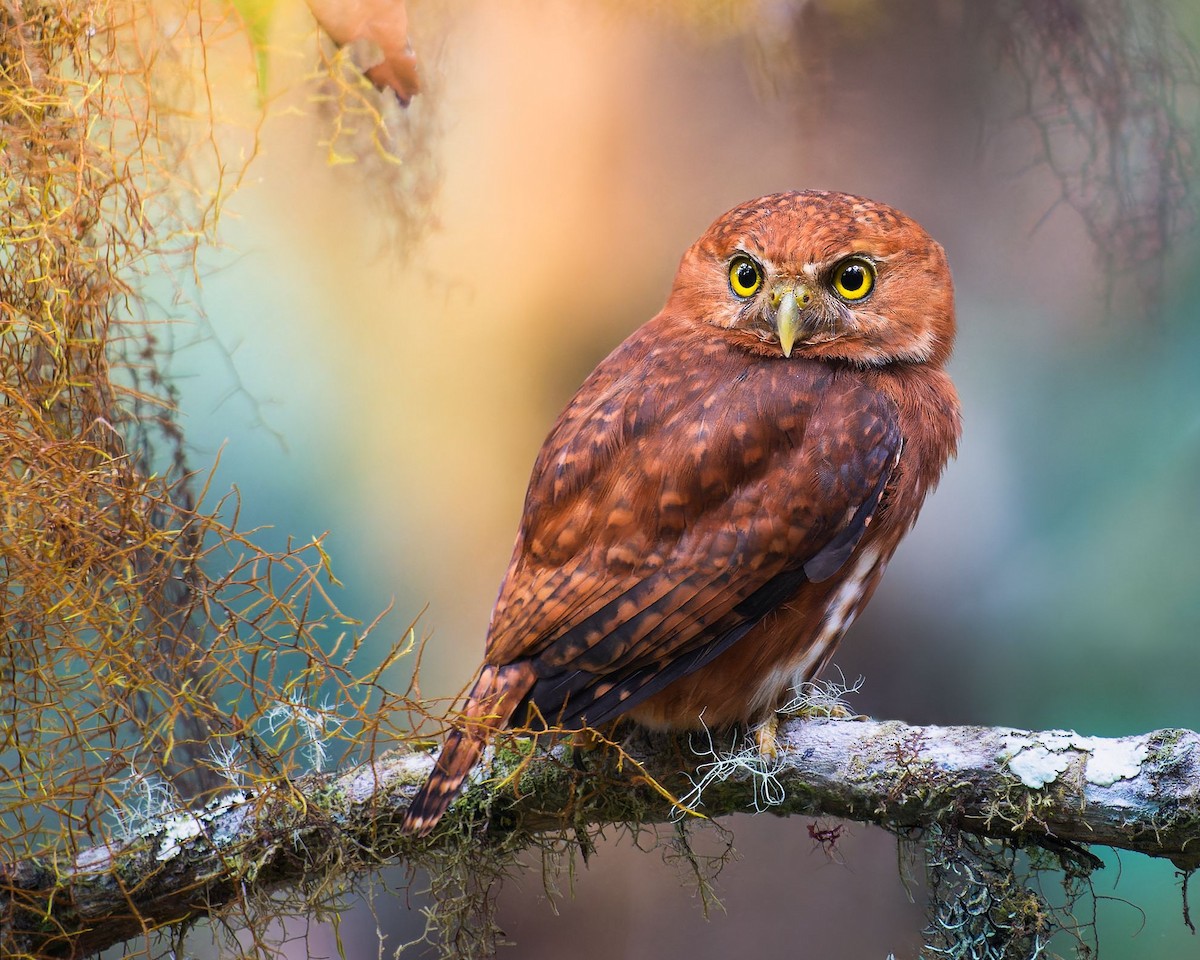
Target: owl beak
x: 787, y: 317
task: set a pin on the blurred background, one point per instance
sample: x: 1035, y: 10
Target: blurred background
x: 395, y: 393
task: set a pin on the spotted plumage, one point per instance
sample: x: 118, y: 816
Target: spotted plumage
x: 719, y: 500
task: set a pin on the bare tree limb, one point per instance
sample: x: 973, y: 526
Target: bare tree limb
x: 1054, y: 789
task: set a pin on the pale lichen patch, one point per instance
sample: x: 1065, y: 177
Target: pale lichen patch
x: 99, y: 857
x: 1037, y: 766
x: 367, y: 781
x: 178, y: 830
x: 1114, y: 760
x: 1041, y: 759
x: 227, y: 820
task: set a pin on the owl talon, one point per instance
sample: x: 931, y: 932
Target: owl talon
x: 765, y: 737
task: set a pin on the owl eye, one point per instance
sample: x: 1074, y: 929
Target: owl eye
x: 745, y: 276
x: 854, y: 278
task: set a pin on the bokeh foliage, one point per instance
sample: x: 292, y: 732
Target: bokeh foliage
x: 152, y: 652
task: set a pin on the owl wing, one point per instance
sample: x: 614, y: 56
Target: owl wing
x: 670, y: 511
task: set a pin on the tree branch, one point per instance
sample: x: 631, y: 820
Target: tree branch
x: 1054, y: 789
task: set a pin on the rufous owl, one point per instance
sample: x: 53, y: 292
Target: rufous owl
x: 719, y: 500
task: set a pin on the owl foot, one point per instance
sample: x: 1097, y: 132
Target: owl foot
x: 823, y: 698
x: 765, y: 737
x: 822, y: 710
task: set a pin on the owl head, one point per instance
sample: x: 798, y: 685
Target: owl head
x: 821, y: 275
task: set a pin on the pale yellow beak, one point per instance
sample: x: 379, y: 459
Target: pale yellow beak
x: 787, y: 317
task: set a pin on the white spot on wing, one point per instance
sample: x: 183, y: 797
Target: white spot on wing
x: 840, y: 613
x: 838, y: 617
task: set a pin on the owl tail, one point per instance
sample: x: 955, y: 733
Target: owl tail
x: 492, y: 702
x: 459, y: 755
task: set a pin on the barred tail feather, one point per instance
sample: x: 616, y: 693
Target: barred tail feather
x: 454, y: 764
x: 490, y: 706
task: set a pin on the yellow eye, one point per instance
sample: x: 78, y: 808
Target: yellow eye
x: 745, y: 276
x: 854, y: 278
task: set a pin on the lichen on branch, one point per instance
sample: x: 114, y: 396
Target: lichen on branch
x: 1051, y: 790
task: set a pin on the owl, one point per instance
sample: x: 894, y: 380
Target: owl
x: 719, y: 500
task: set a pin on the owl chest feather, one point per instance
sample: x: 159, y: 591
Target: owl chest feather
x: 699, y: 542
x: 795, y: 641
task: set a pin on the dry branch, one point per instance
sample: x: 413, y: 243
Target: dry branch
x: 1053, y: 789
